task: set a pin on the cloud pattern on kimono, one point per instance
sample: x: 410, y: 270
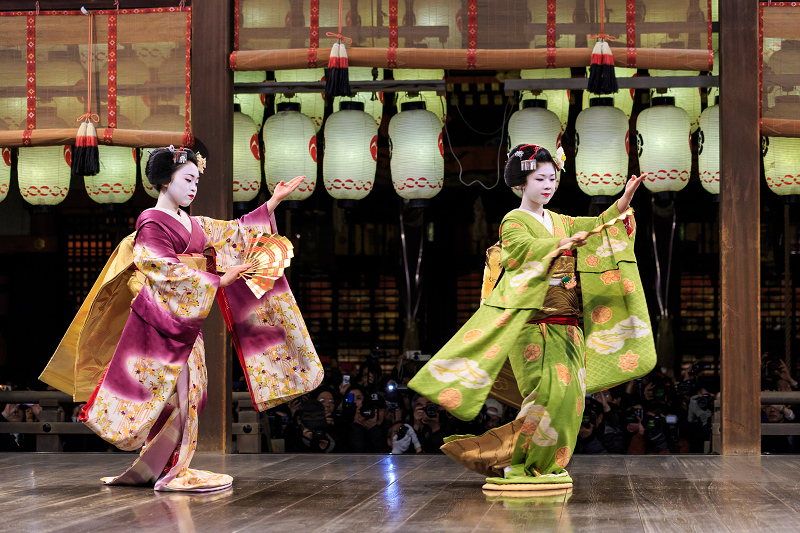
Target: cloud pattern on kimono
x: 611, y: 340
x: 610, y: 246
x: 530, y: 270
x: 466, y: 372
x: 537, y: 425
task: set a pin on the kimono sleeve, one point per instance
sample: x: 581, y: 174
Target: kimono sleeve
x: 174, y: 298
x: 227, y: 237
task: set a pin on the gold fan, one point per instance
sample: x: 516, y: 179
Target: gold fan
x: 269, y: 254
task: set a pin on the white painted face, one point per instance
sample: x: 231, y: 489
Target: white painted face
x: 541, y: 184
x: 183, y: 187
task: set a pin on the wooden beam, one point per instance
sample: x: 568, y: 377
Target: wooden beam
x: 385, y: 86
x: 212, y: 125
x: 740, y: 215
x: 73, y: 5
x: 639, y: 82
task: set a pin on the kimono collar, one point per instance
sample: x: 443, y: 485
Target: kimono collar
x: 546, y: 220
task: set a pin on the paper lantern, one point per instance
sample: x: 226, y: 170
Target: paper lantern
x: 13, y: 109
x: 312, y: 104
x: 246, y: 157
x: 686, y: 98
x: 61, y: 72
x: 269, y: 14
x: 44, y: 171
x: 154, y: 54
x: 136, y: 107
x: 535, y: 124
x: 623, y: 99
x: 433, y: 102
x: 782, y: 164
x: 417, y: 161
x: 5, y: 166
x: 351, y: 154
x: 440, y: 13
x: 251, y: 105
x: 373, y: 102
x: 290, y: 141
x: 601, y: 150
x: 664, y: 140
x: 116, y: 181
x: 557, y: 100
x: 708, y: 152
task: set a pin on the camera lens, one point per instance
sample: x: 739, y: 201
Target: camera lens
x: 401, y: 432
x: 431, y: 411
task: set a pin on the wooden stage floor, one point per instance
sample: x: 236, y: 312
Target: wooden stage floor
x: 426, y: 493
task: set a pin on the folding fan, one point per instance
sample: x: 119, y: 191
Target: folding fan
x: 269, y: 254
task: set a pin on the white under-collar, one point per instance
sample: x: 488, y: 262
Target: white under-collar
x: 545, y: 219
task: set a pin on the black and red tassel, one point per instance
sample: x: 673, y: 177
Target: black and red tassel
x: 602, y: 77
x: 337, y: 77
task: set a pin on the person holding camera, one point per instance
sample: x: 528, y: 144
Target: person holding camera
x: 367, y: 432
x: 403, y: 439
x: 699, y: 412
x: 428, y: 424
x: 657, y: 433
x: 310, y: 434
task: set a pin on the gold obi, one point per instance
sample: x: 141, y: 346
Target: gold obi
x: 560, y: 300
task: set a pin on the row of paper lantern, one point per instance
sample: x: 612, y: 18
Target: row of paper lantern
x: 351, y: 152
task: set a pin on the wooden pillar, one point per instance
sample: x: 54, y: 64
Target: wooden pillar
x: 212, y: 125
x: 740, y: 215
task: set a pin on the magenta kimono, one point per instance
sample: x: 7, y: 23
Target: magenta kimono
x: 154, y: 388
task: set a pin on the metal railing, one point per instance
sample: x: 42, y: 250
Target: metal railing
x: 249, y: 430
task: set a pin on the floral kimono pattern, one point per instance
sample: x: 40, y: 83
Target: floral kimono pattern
x: 530, y: 318
x: 153, y: 389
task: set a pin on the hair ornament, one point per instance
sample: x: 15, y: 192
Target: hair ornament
x: 560, y: 159
x: 201, y: 163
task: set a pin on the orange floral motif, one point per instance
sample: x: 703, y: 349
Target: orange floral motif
x: 504, y: 299
x: 592, y: 260
x: 613, y: 231
x: 527, y: 445
x: 570, y: 221
x: 610, y: 276
x: 563, y: 374
x: 629, y: 286
x: 529, y: 427
x: 601, y: 314
x: 574, y: 335
x: 580, y: 405
x: 491, y: 352
x: 515, y: 225
x: 533, y: 352
x: 473, y: 335
x: 512, y: 263
x: 628, y: 362
x: 522, y: 288
x: 450, y: 398
x: 559, y: 232
x: 503, y: 320
x: 528, y: 255
x: 505, y: 242
x: 562, y: 456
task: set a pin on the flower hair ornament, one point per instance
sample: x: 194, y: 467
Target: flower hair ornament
x: 529, y: 165
x: 201, y: 162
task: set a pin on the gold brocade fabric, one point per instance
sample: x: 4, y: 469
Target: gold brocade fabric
x: 492, y: 271
x: 487, y: 454
x: 560, y: 301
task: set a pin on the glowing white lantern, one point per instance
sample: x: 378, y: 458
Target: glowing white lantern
x: 252, y: 104
x: 246, y: 157
x: 351, y: 154
x: 782, y: 164
x: 167, y: 118
x: 686, y: 98
x: 154, y: 54
x: 373, y: 102
x: 601, y: 150
x: 535, y: 124
x: 5, y: 172
x: 44, y: 171
x: 312, y: 104
x: 664, y: 140
x: 708, y: 153
x: 433, y: 102
x: 557, y: 101
x: 417, y: 161
x: 116, y: 181
x: 59, y: 71
x: 290, y: 141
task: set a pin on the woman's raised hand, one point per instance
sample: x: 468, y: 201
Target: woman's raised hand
x: 625, y: 201
x: 282, y: 189
x: 233, y: 274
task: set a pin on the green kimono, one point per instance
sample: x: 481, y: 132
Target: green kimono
x: 530, y: 318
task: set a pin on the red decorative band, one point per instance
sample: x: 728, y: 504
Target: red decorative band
x: 30, y: 55
x: 710, y: 42
x: 630, y: 23
x: 391, y: 57
x: 393, y: 36
x: 233, y: 60
x: 108, y: 136
x: 112, y: 71
x: 188, y: 74
x: 26, y: 137
x: 138, y: 11
x: 551, y: 33
x: 188, y: 140
x: 314, y: 34
x: 236, y: 15
x: 559, y: 320
x: 472, y: 33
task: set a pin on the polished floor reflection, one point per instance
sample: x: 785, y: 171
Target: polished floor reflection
x: 364, y: 493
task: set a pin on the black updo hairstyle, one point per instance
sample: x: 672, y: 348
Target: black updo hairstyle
x: 514, y: 175
x: 163, y: 163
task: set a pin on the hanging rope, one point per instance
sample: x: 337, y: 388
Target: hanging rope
x: 603, y: 25
x: 90, y: 53
x: 339, y: 35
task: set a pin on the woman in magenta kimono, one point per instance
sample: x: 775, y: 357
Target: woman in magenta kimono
x: 154, y: 387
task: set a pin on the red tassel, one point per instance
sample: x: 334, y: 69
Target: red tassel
x: 86, y: 157
x: 337, y: 78
x: 602, y: 77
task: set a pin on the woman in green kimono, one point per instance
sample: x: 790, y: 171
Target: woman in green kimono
x: 531, y: 319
